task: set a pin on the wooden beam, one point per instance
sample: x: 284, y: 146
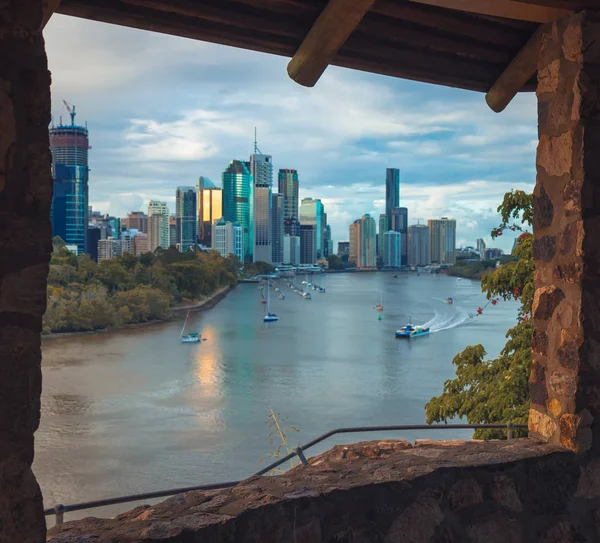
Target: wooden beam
x: 50, y: 6
x: 332, y: 28
x: 509, y: 9
x: 516, y: 74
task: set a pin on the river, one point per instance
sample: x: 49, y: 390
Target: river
x: 137, y: 410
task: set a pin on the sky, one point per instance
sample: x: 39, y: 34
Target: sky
x: 163, y: 111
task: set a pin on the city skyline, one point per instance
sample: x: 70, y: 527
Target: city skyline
x: 190, y: 107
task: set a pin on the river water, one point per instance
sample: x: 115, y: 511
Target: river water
x: 137, y: 410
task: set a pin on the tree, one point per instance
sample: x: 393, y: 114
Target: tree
x: 496, y: 391
x: 335, y: 262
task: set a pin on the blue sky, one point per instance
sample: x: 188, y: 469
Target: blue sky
x: 163, y: 110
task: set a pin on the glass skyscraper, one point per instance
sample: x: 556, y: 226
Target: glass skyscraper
x: 277, y: 210
x: 392, y: 192
x: 210, y: 209
x: 288, y: 186
x: 69, y: 146
x: 311, y: 212
x: 261, y: 169
x: 238, y: 202
x: 187, y: 221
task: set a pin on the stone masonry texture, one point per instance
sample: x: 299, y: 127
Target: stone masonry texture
x: 519, y: 491
x: 565, y: 377
x: 25, y: 246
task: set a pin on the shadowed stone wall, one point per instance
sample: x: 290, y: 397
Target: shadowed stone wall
x: 565, y: 376
x: 25, y: 246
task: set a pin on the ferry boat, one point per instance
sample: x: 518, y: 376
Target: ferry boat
x: 410, y: 331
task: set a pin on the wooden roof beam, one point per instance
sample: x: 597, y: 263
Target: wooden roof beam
x: 329, y: 32
x: 517, y: 73
x: 50, y: 6
x: 509, y: 9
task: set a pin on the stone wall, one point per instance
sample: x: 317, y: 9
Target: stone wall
x: 516, y: 491
x: 565, y: 376
x: 25, y: 246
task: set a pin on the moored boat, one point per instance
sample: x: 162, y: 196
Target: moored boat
x: 192, y: 337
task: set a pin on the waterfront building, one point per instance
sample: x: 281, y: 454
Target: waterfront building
x: 492, y: 254
x: 291, y: 250
x: 343, y: 249
x: 383, y: 228
x: 312, y: 213
x: 353, y: 242
x: 187, y: 218
x: 136, y: 220
x: 442, y: 240
x: 392, y: 193
x: 108, y: 248
x: 277, y: 211
x: 173, y: 232
x: 399, y: 223
x: 210, y: 209
x: 288, y: 186
x: 158, y: 225
x: 228, y: 238
x: 140, y: 244
x: 238, y: 201
x: 365, y: 235
x: 418, y: 245
x: 481, y: 247
x: 69, y: 145
x: 308, y: 244
x: 261, y: 169
x: 393, y: 244
x: 327, y: 242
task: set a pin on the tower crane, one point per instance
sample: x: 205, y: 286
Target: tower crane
x: 71, y: 110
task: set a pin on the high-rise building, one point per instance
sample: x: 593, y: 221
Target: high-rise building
x: 308, y: 244
x: 353, y: 242
x: 69, y: 145
x: 187, y: 218
x: 399, y: 223
x: 238, y: 202
x: 288, y: 186
x: 95, y: 234
x: 140, y: 244
x: 291, y: 250
x: 261, y: 169
x: 210, y: 208
x: 383, y: 228
x: 392, y: 244
x: 481, y: 247
x: 418, y: 245
x: 312, y: 213
x: 327, y: 242
x: 108, y: 248
x: 442, y: 240
x: 365, y: 240
x: 343, y: 249
x: 228, y: 238
x: 136, y: 220
x: 277, y: 210
x: 158, y: 225
x: 392, y: 193
x: 173, y: 232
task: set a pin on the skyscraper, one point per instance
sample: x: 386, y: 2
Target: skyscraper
x: 69, y: 146
x: 158, y: 225
x: 353, y: 242
x: 288, y: 186
x: 228, y: 238
x: 308, y: 244
x: 442, y: 240
x: 277, y: 211
x: 399, y: 223
x: 383, y: 228
x: 187, y: 218
x: 418, y: 245
x: 392, y: 244
x: 366, y: 254
x: 210, y: 208
x: 261, y: 169
x: 291, y: 249
x: 392, y: 192
x: 481, y: 247
x: 327, y: 242
x: 136, y: 220
x: 311, y: 213
x: 238, y: 203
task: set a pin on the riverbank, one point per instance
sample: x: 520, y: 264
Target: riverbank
x: 204, y: 305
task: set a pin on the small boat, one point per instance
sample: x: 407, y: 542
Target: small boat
x: 379, y: 306
x: 192, y: 337
x: 269, y: 317
x: 449, y: 301
x: 409, y: 331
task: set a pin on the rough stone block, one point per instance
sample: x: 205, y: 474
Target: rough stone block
x: 543, y: 209
x: 542, y: 424
x: 504, y: 492
x: 544, y: 248
x: 555, y: 154
x: 545, y: 302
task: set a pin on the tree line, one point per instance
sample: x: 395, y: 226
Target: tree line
x: 84, y: 295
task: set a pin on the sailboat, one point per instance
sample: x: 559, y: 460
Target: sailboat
x: 269, y: 317
x: 379, y: 306
x: 192, y: 337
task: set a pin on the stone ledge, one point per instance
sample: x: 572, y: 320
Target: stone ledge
x: 372, y: 491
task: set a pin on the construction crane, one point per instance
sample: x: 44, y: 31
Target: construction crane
x: 71, y: 111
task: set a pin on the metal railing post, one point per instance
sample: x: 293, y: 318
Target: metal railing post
x: 509, y: 431
x: 298, y: 451
x: 59, y: 513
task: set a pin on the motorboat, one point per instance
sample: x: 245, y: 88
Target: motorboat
x: 410, y: 330
x: 449, y: 301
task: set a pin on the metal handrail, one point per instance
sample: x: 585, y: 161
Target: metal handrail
x: 60, y: 509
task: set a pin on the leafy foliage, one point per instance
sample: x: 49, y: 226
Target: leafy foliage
x: 85, y: 296
x: 496, y: 391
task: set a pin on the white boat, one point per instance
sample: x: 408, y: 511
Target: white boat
x: 410, y: 330
x: 192, y: 337
x: 269, y: 317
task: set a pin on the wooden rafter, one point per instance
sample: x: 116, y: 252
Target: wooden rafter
x: 332, y: 28
x: 50, y: 6
x: 510, y: 9
x: 516, y: 74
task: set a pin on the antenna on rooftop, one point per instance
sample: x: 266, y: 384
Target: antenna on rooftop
x: 256, y: 149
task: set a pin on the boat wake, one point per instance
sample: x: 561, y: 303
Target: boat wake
x: 446, y: 322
